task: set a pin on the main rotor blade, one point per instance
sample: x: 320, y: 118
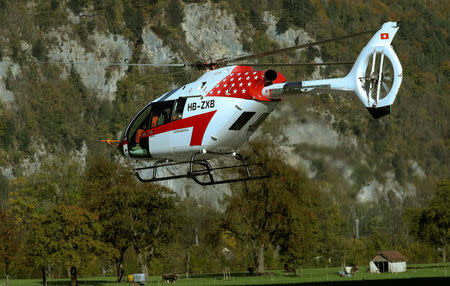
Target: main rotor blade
x: 148, y: 65
x: 297, y: 64
x: 269, y: 53
x: 115, y: 64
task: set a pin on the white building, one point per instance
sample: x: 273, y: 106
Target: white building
x: 388, y: 261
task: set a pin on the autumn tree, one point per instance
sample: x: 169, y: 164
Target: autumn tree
x: 152, y: 221
x: 73, y: 238
x: 10, y: 241
x: 31, y: 196
x: 331, y: 233
x: 37, y: 246
x: 107, y: 189
x: 198, y: 234
x: 253, y: 210
x: 280, y: 211
x: 433, y: 222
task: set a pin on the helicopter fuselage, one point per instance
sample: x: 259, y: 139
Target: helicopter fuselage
x: 216, y: 113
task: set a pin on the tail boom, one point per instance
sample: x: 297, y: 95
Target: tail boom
x: 364, y: 79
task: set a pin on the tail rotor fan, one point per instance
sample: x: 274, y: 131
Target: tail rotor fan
x: 387, y: 78
x: 378, y: 77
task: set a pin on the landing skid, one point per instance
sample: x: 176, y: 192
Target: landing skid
x: 201, y: 169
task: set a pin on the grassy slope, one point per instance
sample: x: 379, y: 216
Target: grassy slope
x: 277, y: 277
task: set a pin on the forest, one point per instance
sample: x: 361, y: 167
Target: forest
x: 69, y: 215
x: 78, y: 223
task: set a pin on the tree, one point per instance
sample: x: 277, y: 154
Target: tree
x: 174, y: 13
x: 281, y: 211
x: 198, y: 234
x: 31, y: 196
x: 131, y: 213
x: 299, y: 233
x: 107, y: 189
x: 37, y: 246
x: 4, y: 191
x: 296, y: 12
x: 57, y: 181
x: 253, y: 209
x: 331, y: 234
x: 152, y: 221
x: 71, y: 237
x: 10, y: 241
x: 434, y: 220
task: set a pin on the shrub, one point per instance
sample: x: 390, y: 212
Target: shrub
x: 38, y: 50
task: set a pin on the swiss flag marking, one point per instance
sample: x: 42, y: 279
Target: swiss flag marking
x: 384, y: 36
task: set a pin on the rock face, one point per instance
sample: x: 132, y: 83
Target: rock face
x: 8, y: 71
x: 211, y: 31
x: 374, y: 190
x: 289, y: 38
x: 92, y: 63
x: 154, y: 50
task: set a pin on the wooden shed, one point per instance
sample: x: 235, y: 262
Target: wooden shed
x: 388, y: 261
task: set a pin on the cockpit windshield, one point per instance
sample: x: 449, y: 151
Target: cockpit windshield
x: 134, y: 134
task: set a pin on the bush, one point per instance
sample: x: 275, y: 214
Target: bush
x: 76, y: 5
x: 174, y: 14
x: 38, y: 50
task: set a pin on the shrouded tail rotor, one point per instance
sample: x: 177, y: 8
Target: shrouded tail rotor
x: 377, y: 83
x: 377, y: 73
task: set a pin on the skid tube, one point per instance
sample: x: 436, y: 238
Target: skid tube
x: 207, y: 170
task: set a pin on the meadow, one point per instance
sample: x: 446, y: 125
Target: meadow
x: 273, y: 277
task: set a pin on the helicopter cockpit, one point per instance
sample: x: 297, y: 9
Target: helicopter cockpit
x: 153, y: 115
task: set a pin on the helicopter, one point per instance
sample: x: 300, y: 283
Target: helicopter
x: 215, y: 115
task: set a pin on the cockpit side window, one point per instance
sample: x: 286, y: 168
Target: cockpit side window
x: 160, y: 113
x: 178, y: 109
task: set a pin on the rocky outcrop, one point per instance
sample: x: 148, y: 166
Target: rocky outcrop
x: 211, y: 31
x: 92, y: 64
x: 292, y: 37
x: 289, y: 38
x: 8, y: 71
x: 154, y: 51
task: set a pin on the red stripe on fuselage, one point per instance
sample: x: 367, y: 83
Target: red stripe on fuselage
x: 198, y: 122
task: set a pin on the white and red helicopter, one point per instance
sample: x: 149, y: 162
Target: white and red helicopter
x: 214, y: 115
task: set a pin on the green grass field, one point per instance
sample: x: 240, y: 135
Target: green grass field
x: 275, y: 277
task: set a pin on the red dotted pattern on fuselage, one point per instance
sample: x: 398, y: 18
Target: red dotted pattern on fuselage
x: 242, y: 82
